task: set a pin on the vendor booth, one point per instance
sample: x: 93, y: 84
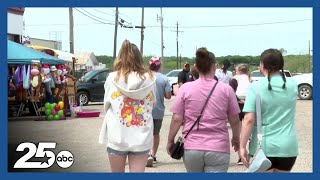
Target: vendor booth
x: 69, y: 60
x: 33, y: 79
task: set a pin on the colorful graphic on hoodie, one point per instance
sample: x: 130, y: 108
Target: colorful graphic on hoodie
x: 131, y: 110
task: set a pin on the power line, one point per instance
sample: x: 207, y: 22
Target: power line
x: 234, y: 25
x: 93, y: 18
x: 96, y: 16
x: 104, y: 12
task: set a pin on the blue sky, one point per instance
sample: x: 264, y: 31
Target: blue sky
x: 232, y: 31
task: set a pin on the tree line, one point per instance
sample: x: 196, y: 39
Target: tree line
x: 293, y: 63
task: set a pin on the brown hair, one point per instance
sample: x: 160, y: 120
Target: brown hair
x: 272, y: 61
x: 129, y: 60
x: 243, y: 68
x: 204, y: 60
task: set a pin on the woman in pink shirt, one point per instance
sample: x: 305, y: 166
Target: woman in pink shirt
x: 207, y: 147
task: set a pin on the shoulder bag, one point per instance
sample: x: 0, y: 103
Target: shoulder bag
x: 178, y: 149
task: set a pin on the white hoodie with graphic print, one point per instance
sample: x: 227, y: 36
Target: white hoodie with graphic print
x: 128, y: 124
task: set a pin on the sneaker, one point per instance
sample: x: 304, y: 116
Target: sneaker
x: 155, y: 160
x: 240, y: 162
x: 150, y: 161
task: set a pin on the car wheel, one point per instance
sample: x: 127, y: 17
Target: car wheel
x: 305, y: 92
x: 82, y: 98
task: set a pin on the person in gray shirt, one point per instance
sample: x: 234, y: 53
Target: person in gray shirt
x: 163, y: 91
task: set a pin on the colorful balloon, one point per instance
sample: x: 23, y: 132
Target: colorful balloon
x: 48, y: 112
x: 47, y: 105
x: 57, y: 108
x: 54, y: 112
x: 61, y: 104
x: 60, y: 112
x: 56, y: 117
x: 62, y: 117
x: 50, y: 117
x: 52, y: 106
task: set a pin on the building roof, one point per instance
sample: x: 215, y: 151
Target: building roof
x: 83, y: 57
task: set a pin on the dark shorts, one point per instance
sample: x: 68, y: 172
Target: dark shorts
x: 282, y: 163
x: 241, y: 114
x: 157, y: 123
x: 126, y: 153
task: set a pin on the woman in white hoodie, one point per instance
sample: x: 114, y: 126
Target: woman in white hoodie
x: 128, y: 101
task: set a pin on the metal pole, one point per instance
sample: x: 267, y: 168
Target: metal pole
x: 177, y: 44
x: 71, y: 38
x: 162, y: 47
x: 115, y: 35
x: 142, y: 27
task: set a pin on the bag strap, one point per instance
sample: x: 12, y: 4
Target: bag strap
x: 198, y: 119
x: 258, y: 114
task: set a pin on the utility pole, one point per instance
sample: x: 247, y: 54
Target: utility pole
x: 142, y: 27
x: 71, y: 31
x: 71, y: 39
x: 178, y: 44
x: 162, y: 46
x: 180, y: 60
x: 115, y: 34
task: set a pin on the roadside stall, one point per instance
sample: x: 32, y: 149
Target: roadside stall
x: 29, y: 81
x: 68, y: 93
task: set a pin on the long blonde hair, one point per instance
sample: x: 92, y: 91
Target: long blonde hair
x: 129, y: 60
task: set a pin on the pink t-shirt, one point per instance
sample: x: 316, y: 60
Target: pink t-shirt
x: 213, y: 132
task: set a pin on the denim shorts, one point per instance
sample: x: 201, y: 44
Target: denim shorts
x: 126, y: 153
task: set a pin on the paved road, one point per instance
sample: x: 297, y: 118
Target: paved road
x: 80, y: 136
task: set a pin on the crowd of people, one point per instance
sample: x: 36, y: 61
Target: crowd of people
x: 134, y: 105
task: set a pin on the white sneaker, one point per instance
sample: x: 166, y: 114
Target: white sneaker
x: 150, y: 162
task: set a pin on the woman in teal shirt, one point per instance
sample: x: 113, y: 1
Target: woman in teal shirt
x: 278, y: 107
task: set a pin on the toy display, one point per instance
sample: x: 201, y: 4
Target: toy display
x: 38, y: 83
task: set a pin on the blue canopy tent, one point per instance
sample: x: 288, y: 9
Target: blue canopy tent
x: 20, y: 54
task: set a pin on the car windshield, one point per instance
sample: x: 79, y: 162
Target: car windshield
x: 87, y: 76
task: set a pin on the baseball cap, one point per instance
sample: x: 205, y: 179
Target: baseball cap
x: 155, y: 60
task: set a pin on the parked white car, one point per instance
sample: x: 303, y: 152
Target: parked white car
x: 305, y: 85
x: 173, y: 76
x: 256, y: 75
x: 304, y: 82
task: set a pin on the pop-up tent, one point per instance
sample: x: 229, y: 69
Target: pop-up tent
x: 19, y: 54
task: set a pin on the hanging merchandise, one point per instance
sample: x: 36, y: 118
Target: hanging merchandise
x: 63, y: 76
x: 35, y: 82
x: 11, y: 86
x: 59, y: 73
x: 59, y: 83
x: 18, y: 82
x: 47, y: 80
x: 26, y: 77
x: 17, y: 77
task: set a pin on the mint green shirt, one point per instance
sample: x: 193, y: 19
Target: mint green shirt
x: 278, y: 107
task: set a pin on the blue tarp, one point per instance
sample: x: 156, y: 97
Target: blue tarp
x: 20, y: 54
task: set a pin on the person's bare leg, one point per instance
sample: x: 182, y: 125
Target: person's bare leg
x: 137, y: 163
x: 156, y: 141
x: 117, y: 162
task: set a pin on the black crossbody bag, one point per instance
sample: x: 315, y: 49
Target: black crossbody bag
x: 178, y: 149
